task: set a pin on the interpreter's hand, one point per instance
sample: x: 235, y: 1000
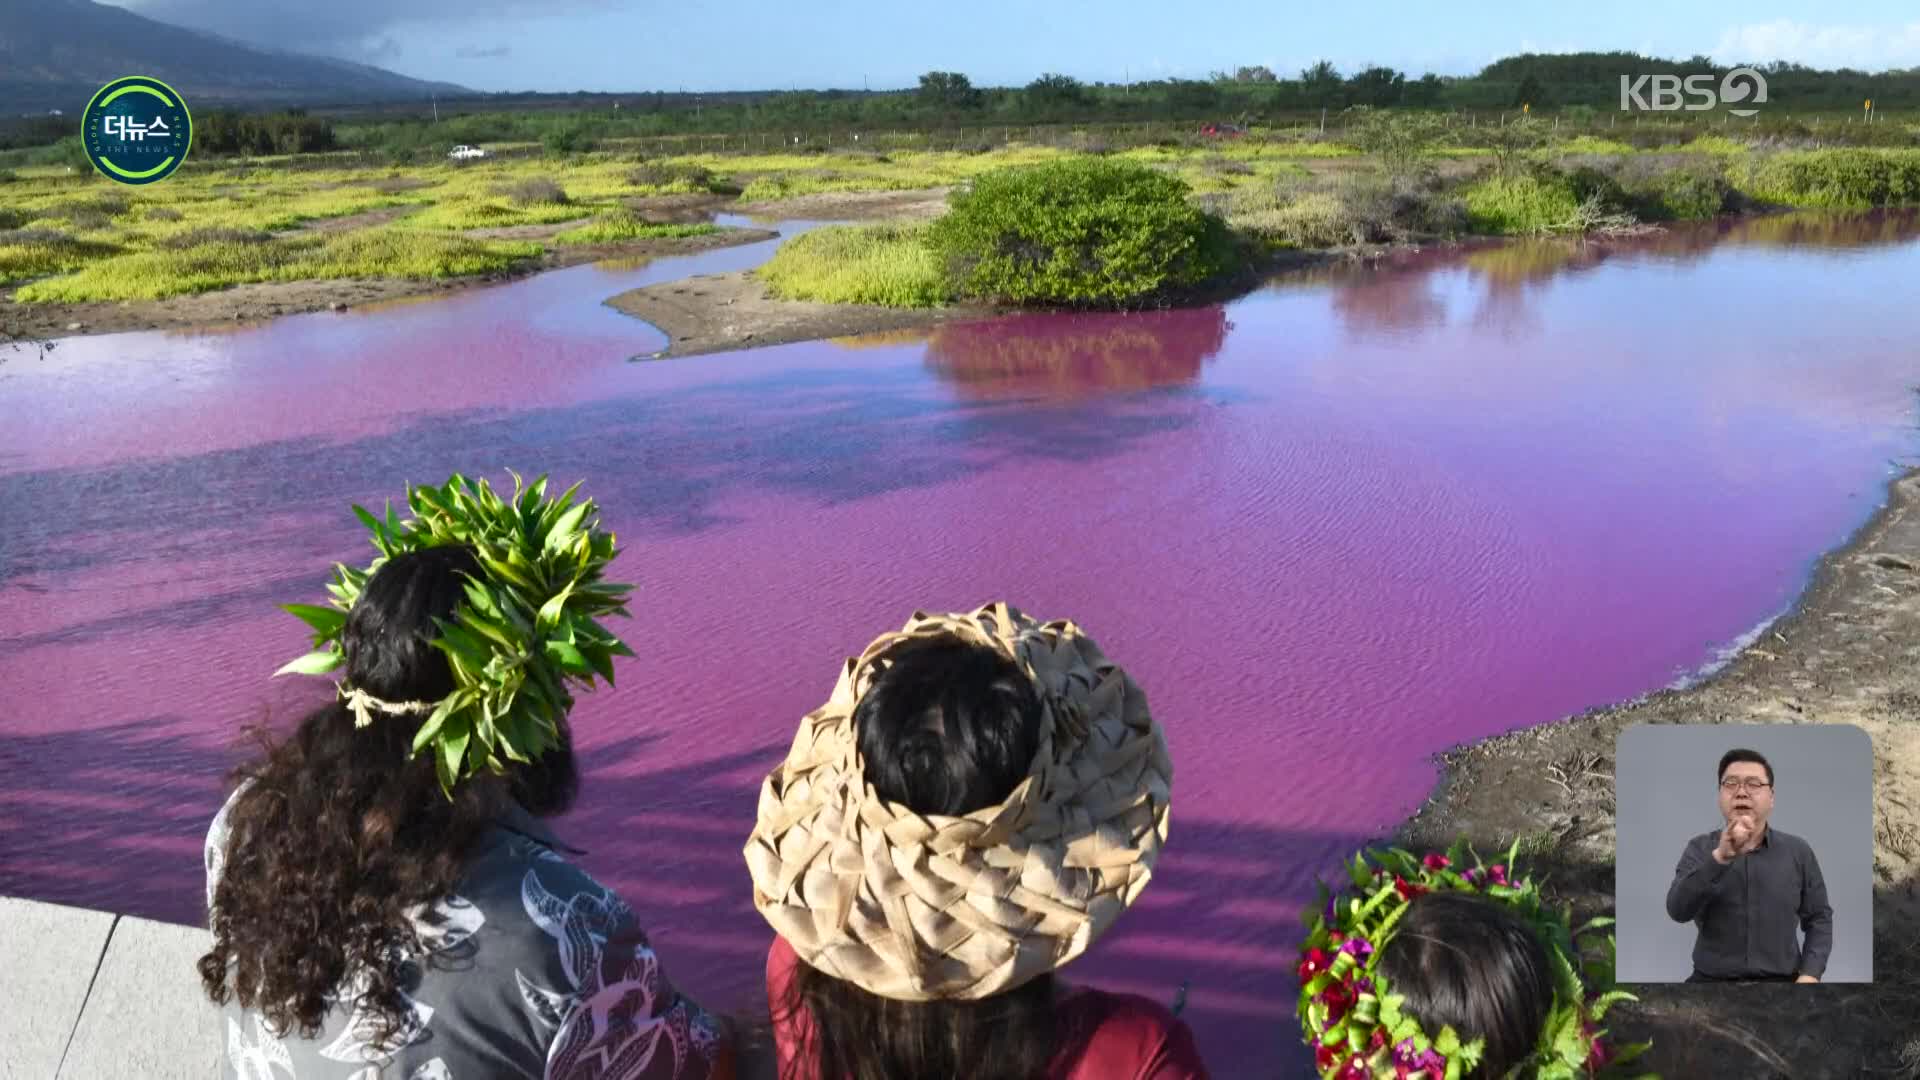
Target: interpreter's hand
x: 1733, y: 841
x: 1808, y: 978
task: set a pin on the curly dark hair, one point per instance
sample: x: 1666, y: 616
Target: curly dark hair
x: 338, y: 832
x: 946, y: 728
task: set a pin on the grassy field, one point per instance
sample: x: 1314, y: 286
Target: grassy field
x: 67, y: 235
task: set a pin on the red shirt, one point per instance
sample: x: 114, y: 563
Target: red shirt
x: 1115, y: 1036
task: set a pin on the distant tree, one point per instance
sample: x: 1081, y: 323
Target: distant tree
x: 1192, y: 95
x: 1423, y: 92
x: 1376, y: 86
x: 948, y: 90
x: 1258, y: 73
x: 1321, y: 84
x: 1051, y: 90
x: 1530, y: 92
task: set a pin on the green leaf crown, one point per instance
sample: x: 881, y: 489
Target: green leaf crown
x: 528, y: 628
x: 1359, y: 1029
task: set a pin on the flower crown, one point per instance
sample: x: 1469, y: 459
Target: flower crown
x: 528, y: 626
x: 1357, y: 1026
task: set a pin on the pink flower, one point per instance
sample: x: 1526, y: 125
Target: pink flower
x: 1498, y: 872
x: 1313, y: 963
x: 1436, y: 862
x: 1338, y: 999
x: 1407, y: 1060
x: 1475, y: 876
x: 1358, y: 948
x: 1356, y: 1069
x: 1407, y: 889
x: 1324, y: 1056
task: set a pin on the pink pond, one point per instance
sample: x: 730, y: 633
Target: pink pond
x: 1333, y: 528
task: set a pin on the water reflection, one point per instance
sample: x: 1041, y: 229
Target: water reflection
x: 1075, y: 355
x: 1404, y: 294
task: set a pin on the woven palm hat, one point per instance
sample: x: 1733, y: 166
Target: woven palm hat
x: 922, y: 907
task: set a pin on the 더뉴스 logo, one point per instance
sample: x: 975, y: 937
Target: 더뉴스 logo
x: 136, y: 130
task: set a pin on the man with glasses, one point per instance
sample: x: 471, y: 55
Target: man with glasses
x: 1748, y: 887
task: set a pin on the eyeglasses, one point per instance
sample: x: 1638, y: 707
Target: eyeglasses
x: 1751, y: 783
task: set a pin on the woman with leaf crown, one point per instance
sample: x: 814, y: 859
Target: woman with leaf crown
x: 385, y: 897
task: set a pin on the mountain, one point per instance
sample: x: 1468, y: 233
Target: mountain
x: 55, y: 53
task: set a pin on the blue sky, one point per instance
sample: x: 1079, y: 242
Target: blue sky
x: 757, y: 44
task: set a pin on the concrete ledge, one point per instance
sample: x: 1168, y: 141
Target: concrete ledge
x: 92, y: 994
x: 48, y: 956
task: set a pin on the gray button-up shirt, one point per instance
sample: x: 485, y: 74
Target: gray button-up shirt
x: 1748, y: 910
x: 531, y: 970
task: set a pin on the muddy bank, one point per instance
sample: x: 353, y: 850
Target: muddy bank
x: 722, y: 312
x: 266, y: 300
x: 1846, y: 655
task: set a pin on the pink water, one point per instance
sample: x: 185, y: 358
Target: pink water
x: 1333, y: 528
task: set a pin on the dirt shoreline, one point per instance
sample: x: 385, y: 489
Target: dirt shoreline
x: 722, y: 312
x: 1844, y: 655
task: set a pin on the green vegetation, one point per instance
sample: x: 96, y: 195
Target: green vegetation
x: 1080, y: 232
x: 30, y: 253
x: 863, y: 264
x: 260, y: 134
x: 1090, y: 222
x: 1839, y: 179
x: 1541, y: 200
x: 385, y: 252
x: 626, y: 225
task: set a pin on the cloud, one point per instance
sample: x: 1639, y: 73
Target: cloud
x: 379, y: 51
x: 474, y: 52
x: 357, y: 29
x: 1866, y: 48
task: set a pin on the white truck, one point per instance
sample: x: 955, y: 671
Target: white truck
x: 463, y: 152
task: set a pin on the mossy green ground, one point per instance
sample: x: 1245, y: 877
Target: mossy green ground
x: 72, y: 236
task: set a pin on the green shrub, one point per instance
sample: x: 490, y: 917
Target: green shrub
x: 1400, y: 140
x: 625, y: 225
x: 666, y: 178
x: 1081, y: 232
x: 1588, y: 182
x: 1839, y: 179
x: 1363, y: 209
x: 858, y: 264
x: 1683, y: 195
x: 571, y: 138
x: 534, y: 191
x: 1532, y: 201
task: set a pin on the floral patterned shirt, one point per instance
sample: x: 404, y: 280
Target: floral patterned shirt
x: 532, y: 969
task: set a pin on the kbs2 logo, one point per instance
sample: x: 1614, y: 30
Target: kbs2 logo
x: 1695, y: 93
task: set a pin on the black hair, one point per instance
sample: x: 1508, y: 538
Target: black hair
x: 1471, y: 963
x: 350, y: 830
x: 1743, y: 754
x: 946, y: 728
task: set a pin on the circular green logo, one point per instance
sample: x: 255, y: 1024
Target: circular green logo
x: 136, y: 130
